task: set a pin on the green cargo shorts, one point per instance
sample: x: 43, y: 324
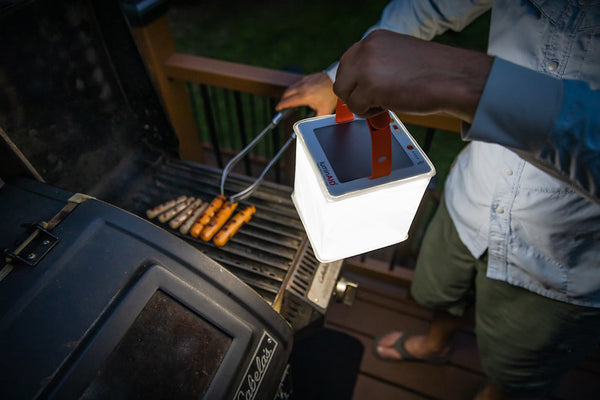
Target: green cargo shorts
x: 526, y: 342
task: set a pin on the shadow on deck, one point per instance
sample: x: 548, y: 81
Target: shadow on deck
x: 382, y: 306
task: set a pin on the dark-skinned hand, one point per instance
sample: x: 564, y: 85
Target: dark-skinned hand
x: 314, y: 90
x: 391, y: 71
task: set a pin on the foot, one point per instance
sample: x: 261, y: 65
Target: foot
x: 491, y: 392
x: 415, y: 345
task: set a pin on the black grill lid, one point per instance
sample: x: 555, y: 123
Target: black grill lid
x: 63, y: 317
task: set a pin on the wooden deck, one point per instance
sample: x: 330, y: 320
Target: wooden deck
x: 381, y: 306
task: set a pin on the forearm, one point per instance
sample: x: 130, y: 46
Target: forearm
x: 421, y: 19
x: 427, y: 19
x: 389, y: 71
x: 554, y: 124
x: 424, y: 19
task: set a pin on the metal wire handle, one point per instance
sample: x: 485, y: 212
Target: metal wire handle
x: 244, y: 194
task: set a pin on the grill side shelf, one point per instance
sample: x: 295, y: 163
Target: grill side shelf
x: 309, y: 289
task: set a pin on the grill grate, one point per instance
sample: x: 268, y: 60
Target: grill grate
x: 264, y: 250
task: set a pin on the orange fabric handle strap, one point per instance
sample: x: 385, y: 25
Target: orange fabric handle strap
x: 381, y: 145
x: 381, y: 139
x: 342, y: 112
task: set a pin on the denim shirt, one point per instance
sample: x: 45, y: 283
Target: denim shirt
x: 541, y: 233
x: 526, y: 188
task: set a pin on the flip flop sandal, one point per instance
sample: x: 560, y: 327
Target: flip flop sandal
x: 482, y: 385
x: 406, y: 356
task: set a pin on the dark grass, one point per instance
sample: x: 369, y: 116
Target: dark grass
x: 301, y: 36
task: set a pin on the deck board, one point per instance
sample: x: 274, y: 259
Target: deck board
x: 370, y: 388
x: 371, y: 319
x: 433, y: 381
x: 380, y: 307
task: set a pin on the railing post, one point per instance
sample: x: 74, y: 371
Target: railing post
x: 156, y: 45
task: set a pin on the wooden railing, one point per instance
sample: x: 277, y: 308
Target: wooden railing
x: 173, y: 74
x: 171, y: 71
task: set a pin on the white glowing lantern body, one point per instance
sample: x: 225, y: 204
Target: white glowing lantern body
x: 343, y: 211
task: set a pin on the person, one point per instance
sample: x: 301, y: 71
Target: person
x: 517, y: 235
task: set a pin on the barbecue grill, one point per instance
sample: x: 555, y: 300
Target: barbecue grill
x: 79, y: 112
x: 271, y: 253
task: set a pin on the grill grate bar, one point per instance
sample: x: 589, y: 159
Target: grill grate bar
x: 242, y: 254
x: 279, y: 225
x: 265, y: 249
x: 264, y: 272
x: 278, y: 200
x: 253, y: 280
x: 269, y: 254
x: 253, y: 232
x: 270, y: 230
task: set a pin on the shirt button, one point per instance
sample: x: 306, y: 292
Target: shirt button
x: 508, y: 172
x: 500, y: 210
x: 553, y: 65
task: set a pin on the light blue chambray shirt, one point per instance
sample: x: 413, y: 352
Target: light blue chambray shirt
x: 542, y: 104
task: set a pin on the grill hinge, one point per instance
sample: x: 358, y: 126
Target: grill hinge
x: 39, y: 243
x: 34, y: 248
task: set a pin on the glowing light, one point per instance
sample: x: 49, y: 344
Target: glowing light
x: 369, y: 214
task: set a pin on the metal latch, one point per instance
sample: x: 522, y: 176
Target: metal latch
x: 345, y: 291
x: 34, y: 248
x: 41, y: 241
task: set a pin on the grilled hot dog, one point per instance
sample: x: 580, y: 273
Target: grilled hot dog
x: 171, y: 212
x: 153, y: 212
x: 185, y: 214
x: 214, y: 206
x: 218, y: 221
x: 234, y: 224
x: 187, y: 225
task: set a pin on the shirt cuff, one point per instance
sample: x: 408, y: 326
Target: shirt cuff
x: 518, y: 107
x: 331, y: 71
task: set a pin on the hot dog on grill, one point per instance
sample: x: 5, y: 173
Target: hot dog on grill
x: 234, y: 224
x: 153, y: 212
x: 187, y: 225
x: 207, y: 215
x: 218, y: 221
x: 185, y: 214
x: 170, y: 213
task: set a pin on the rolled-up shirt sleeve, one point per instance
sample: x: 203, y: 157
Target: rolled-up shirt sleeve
x: 554, y: 124
x: 426, y: 19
